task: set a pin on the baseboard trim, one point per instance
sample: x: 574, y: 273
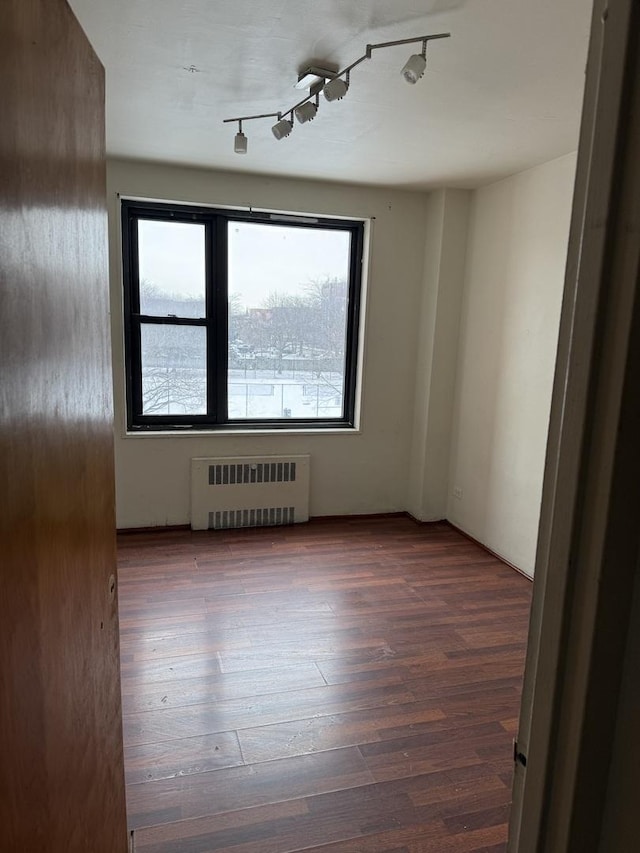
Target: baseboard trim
x: 369, y: 516
x: 489, y: 550
x: 314, y: 519
x: 422, y: 523
x: 168, y: 528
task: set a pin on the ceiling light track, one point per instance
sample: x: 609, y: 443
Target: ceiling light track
x: 334, y: 86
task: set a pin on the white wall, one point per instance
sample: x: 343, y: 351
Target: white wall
x: 438, y: 332
x: 516, y: 256
x: 351, y: 473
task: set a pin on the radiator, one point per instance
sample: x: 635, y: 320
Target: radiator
x: 249, y: 491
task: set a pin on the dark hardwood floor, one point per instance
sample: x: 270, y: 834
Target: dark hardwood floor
x: 340, y: 687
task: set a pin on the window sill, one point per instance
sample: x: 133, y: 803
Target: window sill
x: 207, y: 433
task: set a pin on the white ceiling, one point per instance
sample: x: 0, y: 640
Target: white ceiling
x: 502, y: 94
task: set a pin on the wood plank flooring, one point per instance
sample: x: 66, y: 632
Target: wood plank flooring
x: 337, y: 687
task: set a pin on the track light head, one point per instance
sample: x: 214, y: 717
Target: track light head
x: 240, y: 143
x: 306, y: 112
x: 415, y: 66
x: 336, y: 89
x: 282, y: 128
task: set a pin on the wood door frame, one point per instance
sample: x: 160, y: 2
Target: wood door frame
x: 589, y: 539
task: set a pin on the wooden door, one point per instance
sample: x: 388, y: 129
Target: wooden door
x: 61, y: 767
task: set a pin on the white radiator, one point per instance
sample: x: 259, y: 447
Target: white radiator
x: 249, y: 491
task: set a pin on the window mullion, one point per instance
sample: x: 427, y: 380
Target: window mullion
x: 211, y: 250
x: 169, y: 320
x: 353, y: 322
x: 220, y: 318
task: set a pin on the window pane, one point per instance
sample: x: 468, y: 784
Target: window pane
x: 171, y: 268
x: 174, y: 370
x: 288, y: 299
x: 285, y: 398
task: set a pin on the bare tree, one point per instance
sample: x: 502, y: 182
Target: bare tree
x: 328, y: 298
x: 172, y: 391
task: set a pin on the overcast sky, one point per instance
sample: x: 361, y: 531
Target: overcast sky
x: 262, y: 258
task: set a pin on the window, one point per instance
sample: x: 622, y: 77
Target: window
x: 239, y: 320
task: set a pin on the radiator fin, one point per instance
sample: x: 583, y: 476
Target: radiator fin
x: 229, y: 519
x: 258, y: 472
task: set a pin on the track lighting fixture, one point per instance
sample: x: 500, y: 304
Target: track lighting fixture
x: 415, y: 65
x: 240, y: 141
x: 335, y: 86
x: 282, y: 128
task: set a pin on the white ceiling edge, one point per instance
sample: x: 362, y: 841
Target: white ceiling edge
x: 457, y: 183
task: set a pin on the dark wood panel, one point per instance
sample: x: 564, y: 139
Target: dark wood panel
x: 249, y: 711
x: 61, y: 773
x: 376, y: 725
x: 370, y: 671
x: 176, y: 691
x: 244, y: 787
x: 182, y: 757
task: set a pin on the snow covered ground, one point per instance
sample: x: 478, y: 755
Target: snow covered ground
x: 287, y: 395
x: 251, y: 393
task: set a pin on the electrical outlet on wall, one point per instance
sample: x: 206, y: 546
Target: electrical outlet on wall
x: 457, y: 492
